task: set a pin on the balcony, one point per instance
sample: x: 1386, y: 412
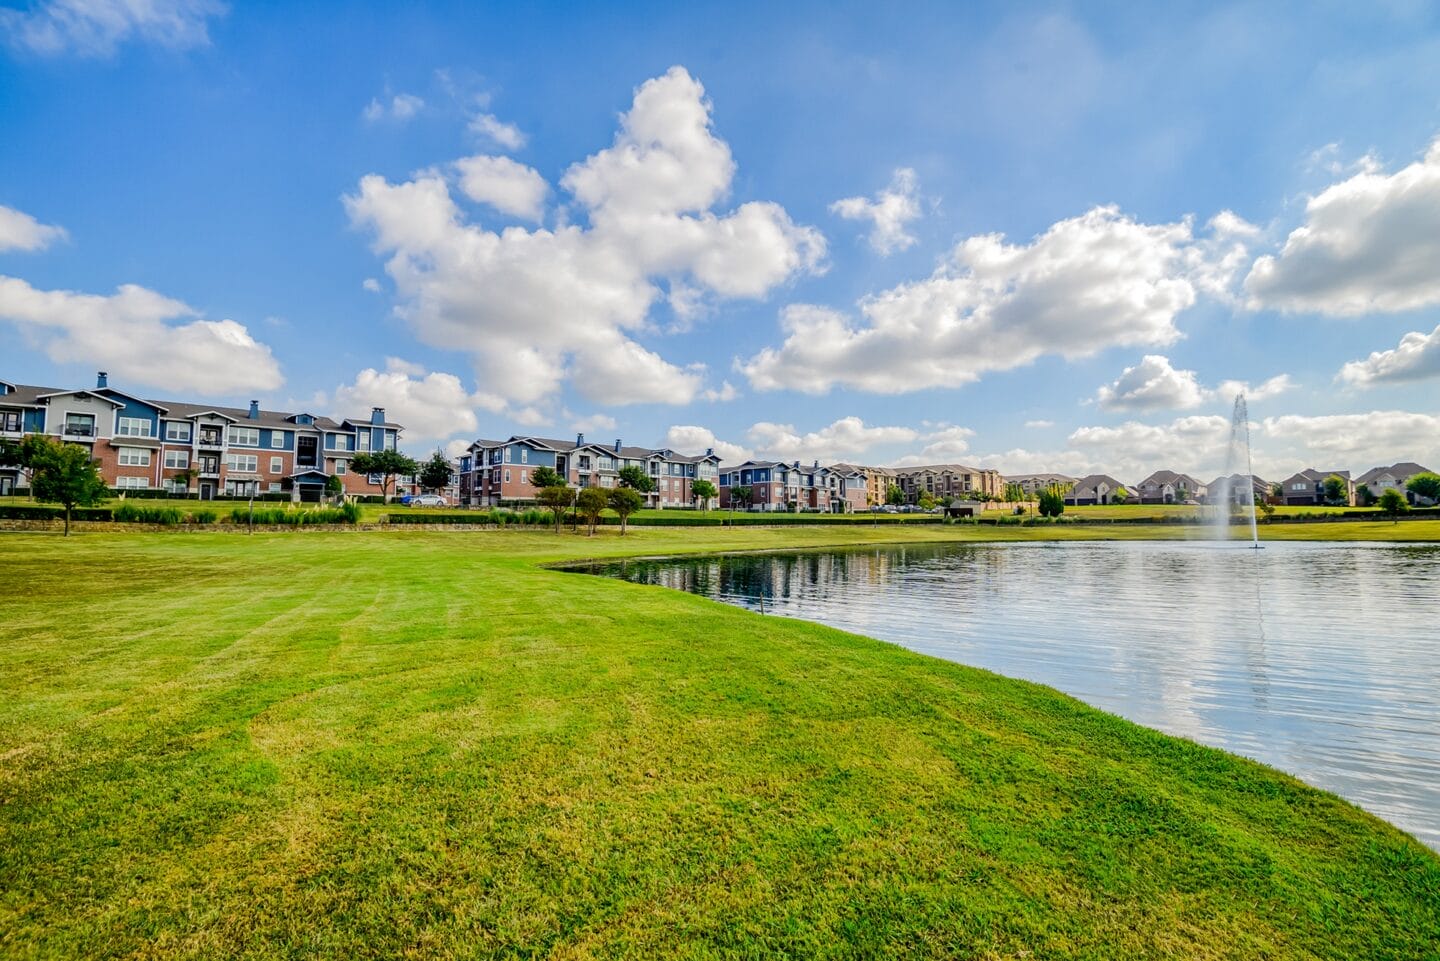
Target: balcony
x: 211, y: 439
x: 80, y: 430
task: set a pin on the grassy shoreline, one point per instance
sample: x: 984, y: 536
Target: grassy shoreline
x: 427, y: 743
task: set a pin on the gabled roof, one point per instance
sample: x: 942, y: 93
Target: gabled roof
x: 1091, y: 482
x: 85, y: 392
x: 148, y: 403
x: 1174, y: 478
x: 22, y: 395
x: 1401, y: 472
x: 1311, y: 474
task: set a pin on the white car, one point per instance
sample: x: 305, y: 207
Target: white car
x: 428, y: 500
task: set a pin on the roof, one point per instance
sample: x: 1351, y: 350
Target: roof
x: 1171, y: 477
x: 1091, y: 481
x: 1048, y: 478
x: 1312, y: 474
x: 24, y: 395
x: 1401, y: 471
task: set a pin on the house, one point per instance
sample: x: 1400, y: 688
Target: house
x: 1308, y: 487
x: 1093, y: 489
x: 1394, y: 477
x: 1169, y: 487
x: 1033, y: 484
x: 1237, y: 486
x: 492, y: 472
x: 196, y: 449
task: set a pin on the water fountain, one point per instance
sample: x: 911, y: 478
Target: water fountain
x: 1239, y: 444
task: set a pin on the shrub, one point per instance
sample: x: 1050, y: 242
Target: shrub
x: 127, y: 513
x: 206, y: 516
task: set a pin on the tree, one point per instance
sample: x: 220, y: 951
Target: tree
x: 1014, y: 493
x: 1393, y: 503
x: 894, y: 496
x: 186, y: 476
x: 1363, y: 495
x: 1426, y: 485
x: 635, y: 478
x: 334, y: 486
x: 1277, y: 491
x: 742, y: 496
x: 389, y: 464
x: 1265, y: 507
x: 704, y: 492
x: 63, y: 474
x: 556, y: 497
x: 1336, y: 491
x: 625, y: 501
x: 926, y: 501
x: 1051, y: 503
x: 591, y: 503
x: 543, y: 477
x: 435, y: 473
x: 1118, y: 496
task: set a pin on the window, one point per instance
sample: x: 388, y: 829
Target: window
x: 134, y: 457
x: 277, y: 464
x: 507, y: 455
x: 10, y: 420
x: 339, y: 468
x: 274, y: 488
x: 245, y: 437
x: 177, y: 459
x: 80, y: 425
x: 246, y: 463
x: 277, y: 438
x: 177, y: 430
x: 1299, y: 487
x: 524, y: 477
x: 364, y: 438
x: 507, y: 475
x: 524, y: 458
x: 131, y: 483
x: 177, y: 485
x: 132, y: 427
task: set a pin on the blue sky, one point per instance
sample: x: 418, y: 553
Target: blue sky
x: 1031, y: 236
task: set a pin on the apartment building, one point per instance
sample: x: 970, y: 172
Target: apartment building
x: 778, y: 486
x: 949, y: 480
x: 877, y: 481
x: 494, y: 471
x: 189, y: 449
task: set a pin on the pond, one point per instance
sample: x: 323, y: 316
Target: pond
x: 1318, y: 659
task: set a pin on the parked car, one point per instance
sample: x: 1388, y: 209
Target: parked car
x: 427, y: 500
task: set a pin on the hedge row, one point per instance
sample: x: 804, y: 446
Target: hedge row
x: 689, y: 519
x: 26, y: 512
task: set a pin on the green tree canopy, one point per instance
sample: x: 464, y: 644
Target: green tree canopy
x: 1336, y: 490
x: 543, y: 477
x: 742, y: 496
x: 926, y: 501
x: 591, y: 503
x: 435, y: 473
x: 635, y: 478
x: 1051, y: 502
x: 1393, y: 502
x: 894, y: 495
x: 704, y: 492
x: 1426, y: 485
x: 388, y: 464
x: 625, y: 501
x: 557, y: 498
x: 63, y: 474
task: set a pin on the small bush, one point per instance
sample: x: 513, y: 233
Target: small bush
x: 128, y: 513
x: 206, y: 516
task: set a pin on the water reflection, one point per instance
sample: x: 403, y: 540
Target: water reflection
x: 1316, y: 658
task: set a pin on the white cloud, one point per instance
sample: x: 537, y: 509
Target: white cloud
x: 1356, y: 441
x: 1153, y: 384
x: 457, y: 448
x: 593, y: 423
x: 95, y: 28
x: 401, y: 107
x: 1039, y: 424
x: 724, y: 394
x: 845, y: 438
x: 133, y: 334
x: 492, y: 128
x: 431, y: 405
x: 538, y: 307
x: 531, y: 417
x: 1095, y: 281
x: 692, y: 440
x: 1369, y: 244
x: 511, y: 188
x: 371, y: 284
x: 1417, y: 357
x: 20, y: 231
x: 891, y: 210
x: 947, y: 445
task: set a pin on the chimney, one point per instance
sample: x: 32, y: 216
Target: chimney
x: 817, y: 463
x: 579, y: 440
x: 377, y: 415
x: 102, y: 380
x: 797, y: 464
x: 254, y: 410
x: 617, y: 445
x: 709, y: 452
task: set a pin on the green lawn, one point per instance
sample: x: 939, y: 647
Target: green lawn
x: 423, y: 744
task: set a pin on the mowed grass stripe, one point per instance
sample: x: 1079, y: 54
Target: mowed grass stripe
x: 425, y: 744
